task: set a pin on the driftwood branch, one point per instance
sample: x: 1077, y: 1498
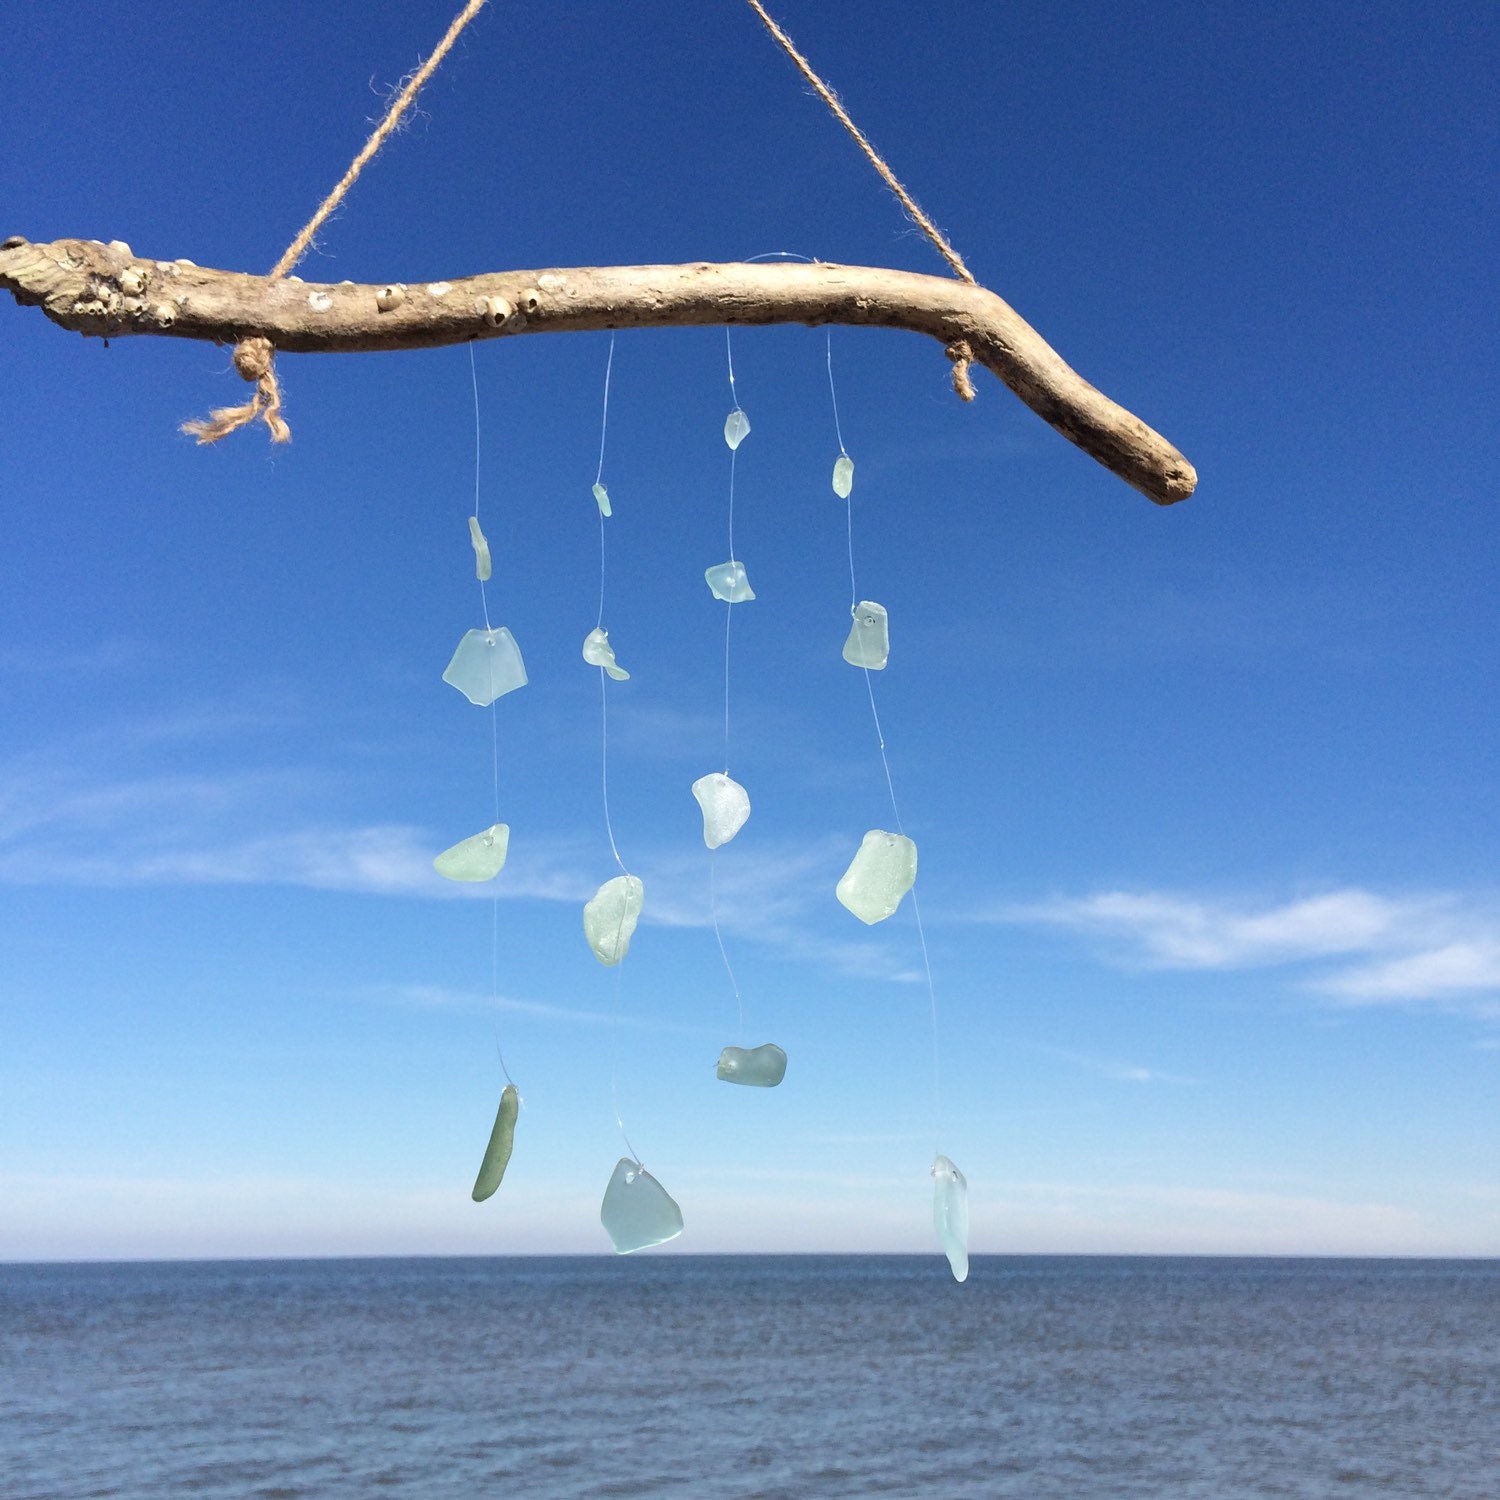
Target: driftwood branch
x: 107, y: 291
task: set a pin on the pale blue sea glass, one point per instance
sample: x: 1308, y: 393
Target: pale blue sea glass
x: 486, y: 666
x: 843, y: 476
x: 736, y: 428
x: 479, y: 857
x: 601, y: 499
x: 502, y: 1138
x: 760, y: 1067
x: 728, y: 582
x: 879, y: 875
x: 725, y: 804
x: 481, y: 550
x: 637, y: 1210
x: 869, y: 643
x: 609, y: 918
x: 598, y: 652
x: 950, y: 1214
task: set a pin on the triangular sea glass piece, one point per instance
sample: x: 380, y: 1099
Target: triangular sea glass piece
x: 502, y: 1138
x: 480, y: 857
x: 950, y: 1214
x: 725, y: 804
x: 598, y: 652
x: 637, y: 1210
x: 869, y: 643
x: 843, y: 476
x: 760, y: 1067
x: 736, y: 428
x: 481, y: 550
x: 728, y: 582
x: 486, y: 666
x: 879, y: 875
x: 601, y: 498
x: 609, y: 918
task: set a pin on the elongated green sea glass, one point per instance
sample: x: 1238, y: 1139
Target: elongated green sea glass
x: 486, y: 666
x: 729, y: 583
x: 950, y: 1214
x: 502, y: 1138
x: 481, y: 550
x: 479, y: 857
x: 736, y: 428
x: 637, y: 1210
x: 869, y: 643
x: 879, y: 875
x: 725, y: 804
x: 598, y: 652
x: 609, y: 918
x: 843, y: 476
x: 761, y: 1067
x: 601, y: 498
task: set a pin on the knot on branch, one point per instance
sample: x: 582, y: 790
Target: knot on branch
x: 962, y: 356
x: 255, y: 359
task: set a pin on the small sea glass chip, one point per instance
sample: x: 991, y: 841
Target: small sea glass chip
x: 869, y: 643
x: 502, y: 1138
x: 736, y: 428
x: 725, y: 804
x: 480, y: 857
x: 637, y: 1210
x: 728, y: 582
x: 598, y: 652
x: 486, y: 666
x: 760, y: 1067
x: 950, y: 1214
x: 609, y: 918
x: 601, y: 498
x: 481, y: 550
x: 879, y: 875
x: 843, y: 476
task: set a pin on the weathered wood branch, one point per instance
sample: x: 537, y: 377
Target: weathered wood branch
x: 107, y: 291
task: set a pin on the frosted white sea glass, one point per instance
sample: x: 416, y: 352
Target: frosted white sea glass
x: 843, y: 476
x: 479, y: 857
x: 760, y: 1067
x: 869, y: 643
x: 598, y: 652
x: 502, y: 1138
x: 637, y: 1210
x: 725, y: 804
x: 481, y: 550
x: 486, y: 666
x: 728, y: 582
x: 609, y: 917
x: 736, y: 428
x: 950, y: 1214
x: 879, y: 875
x: 601, y: 498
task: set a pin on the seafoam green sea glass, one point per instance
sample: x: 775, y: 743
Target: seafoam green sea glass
x: 598, y: 652
x: 950, y: 1214
x: 601, y: 499
x: 869, y: 643
x: 481, y: 550
x: 725, y: 804
x: 637, y: 1210
x: 728, y: 582
x: 879, y: 875
x: 760, y: 1067
x: 502, y: 1138
x: 480, y: 857
x: 609, y: 917
x: 843, y: 476
x: 486, y: 666
x: 736, y: 428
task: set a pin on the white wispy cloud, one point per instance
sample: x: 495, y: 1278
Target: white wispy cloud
x: 441, y: 997
x: 1112, y: 1068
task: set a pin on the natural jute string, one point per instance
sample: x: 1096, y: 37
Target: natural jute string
x: 254, y: 358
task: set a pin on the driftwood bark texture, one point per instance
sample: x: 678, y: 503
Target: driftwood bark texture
x: 108, y: 291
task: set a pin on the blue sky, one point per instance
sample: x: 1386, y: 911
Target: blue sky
x: 1207, y: 797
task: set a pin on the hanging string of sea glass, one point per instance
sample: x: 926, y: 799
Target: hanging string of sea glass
x: 884, y: 870
x: 636, y: 1211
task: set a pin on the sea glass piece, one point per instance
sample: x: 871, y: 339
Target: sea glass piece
x: 725, y: 804
x: 480, y: 857
x: 601, y: 498
x: 481, y: 550
x: 598, y: 652
x: 869, y: 643
x: 950, y: 1214
x: 761, y: 1067
x: 637, y: 1210
x: 879, y: 875
x: 736, y: 428
x: 486, y: 666
x: 609, y: 917
x: 502, y: 1138
x: 843, y: 476
x: 728, y: 582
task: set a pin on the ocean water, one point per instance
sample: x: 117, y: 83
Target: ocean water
x: 784, y: 1376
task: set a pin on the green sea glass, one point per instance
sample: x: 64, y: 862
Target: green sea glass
x: 502, y: 1138
x: 637, y: 1210
x: 725, y: 804
x: 481, y: 550
x: 760, y: 1067
x: 736, y: 428
x: 609, y: 918
x: 729, y: 583
x: 879, y: 875
x: 601, y: 498
x: 598, y: 652
x: 950, y: 1215
x: 843, y: 476
x: 479, y: 857
x: 869, y: 643
x: 486, y: 666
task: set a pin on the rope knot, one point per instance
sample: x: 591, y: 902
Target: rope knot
x: 255, y: 359
x: 962, y: 356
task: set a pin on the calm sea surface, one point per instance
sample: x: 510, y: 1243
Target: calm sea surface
x: 751, y: 1376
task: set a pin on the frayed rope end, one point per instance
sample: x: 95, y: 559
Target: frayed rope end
x: 255, y: 359
x: 962, y: 356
